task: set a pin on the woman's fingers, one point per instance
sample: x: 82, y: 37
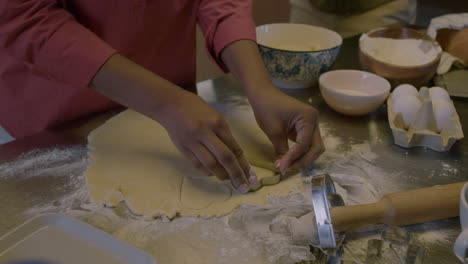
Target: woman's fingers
x: 316, y: 149
x: 302, y: 146
x: 209, y: 161
x: 226, y: 137
x: 226, y: 158
x: 195, y: 162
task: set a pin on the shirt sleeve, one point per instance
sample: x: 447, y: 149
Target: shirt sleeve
x: 46, y: 36
x: 224, y: 22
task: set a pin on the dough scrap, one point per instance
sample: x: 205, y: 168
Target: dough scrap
x: 133, y: 160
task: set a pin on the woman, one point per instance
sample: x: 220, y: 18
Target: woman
x: 70, y: 58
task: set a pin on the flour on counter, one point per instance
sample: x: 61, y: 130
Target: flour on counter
x: 436, y: 236
x: 53, y: 162
x: 448, y: 169
x: 445, y: 170
x: 352, y: 167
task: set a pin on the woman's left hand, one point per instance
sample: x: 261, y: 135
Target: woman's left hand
x: 282, y: 117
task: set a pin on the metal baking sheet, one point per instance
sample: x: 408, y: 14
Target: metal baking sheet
x: 56, y: 238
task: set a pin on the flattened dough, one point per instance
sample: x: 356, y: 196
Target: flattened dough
x: 134, y: 160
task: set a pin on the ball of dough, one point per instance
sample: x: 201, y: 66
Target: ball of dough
x: 443, y: 112
x: 437, y: 93
x: 408, y: 106
x: 404, y: 89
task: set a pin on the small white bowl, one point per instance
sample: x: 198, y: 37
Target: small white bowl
x: 353, y: 92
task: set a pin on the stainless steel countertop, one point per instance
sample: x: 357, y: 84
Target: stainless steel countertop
x: 224, y: 93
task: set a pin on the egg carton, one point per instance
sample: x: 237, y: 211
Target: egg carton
x: 423, y: 131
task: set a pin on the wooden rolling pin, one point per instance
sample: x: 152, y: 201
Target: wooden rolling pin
x: 401, y: 208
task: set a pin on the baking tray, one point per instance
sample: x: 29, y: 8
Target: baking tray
x: 56, y: 238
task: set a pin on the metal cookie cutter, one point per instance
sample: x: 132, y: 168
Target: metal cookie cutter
x: 324, y: 196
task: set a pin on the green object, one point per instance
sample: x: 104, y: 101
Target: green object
x: 455, y: 81
x: 347, y: 6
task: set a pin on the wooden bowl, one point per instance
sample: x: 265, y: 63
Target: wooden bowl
x: 417, y: 76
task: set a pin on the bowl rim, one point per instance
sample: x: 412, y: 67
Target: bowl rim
x: 301, y: 51
x: 436, y: 59
x: 388, y: 86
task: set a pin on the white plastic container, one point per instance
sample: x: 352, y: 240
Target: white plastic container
x: 423, y: 131
x: 56, y: 238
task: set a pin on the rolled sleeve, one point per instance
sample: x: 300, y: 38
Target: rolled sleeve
x: 74, y: 55
x: 46, y: 36
x: 224, y: 22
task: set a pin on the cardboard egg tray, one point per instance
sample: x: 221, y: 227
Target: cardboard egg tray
x: 423, y: 131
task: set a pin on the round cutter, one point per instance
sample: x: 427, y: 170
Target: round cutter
x: 322, y: 188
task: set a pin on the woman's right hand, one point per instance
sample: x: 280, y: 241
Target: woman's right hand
x: 198, y: 131
x: 202, y: 135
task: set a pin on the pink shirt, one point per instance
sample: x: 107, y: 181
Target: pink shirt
x: 50, y: 50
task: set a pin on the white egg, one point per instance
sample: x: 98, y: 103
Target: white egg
x: 404, y: 89
x: 408, y: 106
x: 443, y: 111
x: 437, y: 93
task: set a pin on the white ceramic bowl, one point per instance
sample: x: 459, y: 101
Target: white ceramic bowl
x: 461, y: 244
x: 295, y: 54
x: 353, y: 92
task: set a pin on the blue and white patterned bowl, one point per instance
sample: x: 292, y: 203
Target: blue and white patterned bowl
x: 295, y: 54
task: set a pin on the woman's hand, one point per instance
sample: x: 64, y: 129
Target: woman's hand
x: 203, y: 136
x: 198, y: 131
x: 282, y: 117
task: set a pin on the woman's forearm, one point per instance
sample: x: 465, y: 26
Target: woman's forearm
x: 244, y: 61
x: 135, y: 87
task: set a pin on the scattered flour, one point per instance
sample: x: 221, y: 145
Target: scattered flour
x: 402, y: 52
x: 429, y: 236
x: 352, y: 167
x: 45, y: 163
x: 436, y: 236
x: 445, y: 170
x: 448, y: 169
